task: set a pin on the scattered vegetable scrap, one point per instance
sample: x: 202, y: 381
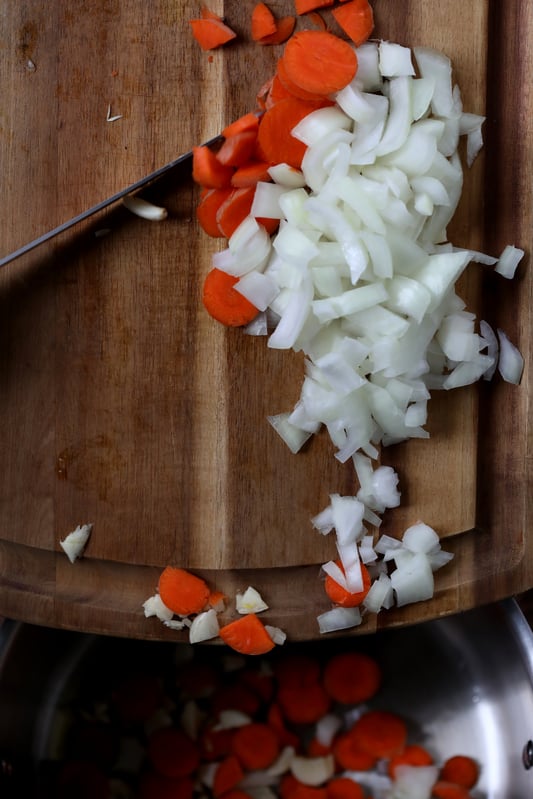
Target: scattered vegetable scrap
x: 337, y: 247
x: 75, y: 542
x: 144, y: 209
x: 288, y: 724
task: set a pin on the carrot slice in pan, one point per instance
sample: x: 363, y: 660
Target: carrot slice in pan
x: 352, y: 677
x: 461, y: 769
x: 344, y: 788
x: 228, y: 774
x: 255, y: 746
x: 380, y: 733
x: 412, y: 755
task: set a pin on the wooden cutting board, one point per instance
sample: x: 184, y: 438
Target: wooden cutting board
x: 124, y: 405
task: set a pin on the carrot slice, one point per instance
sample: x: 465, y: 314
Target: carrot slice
x: 305, y: 6
x: 304, y: 705
x: 319, y: 62
x: 460, y: 769
x: 412, y: 755
x: 183, y: 592
x: 356, y: 18
x: 172, y: 753
x: 348, y: 754
x: 211, y: 33
x: 352, y: 677
x: 156, y: 786
x: 207, y: 169
x: 277, y: 722
x: 249, y: 121
x: 297, y: 671
x: 215, y: 744
x: 275, y: 142
x: 227, y: 306
x: 341, y: 596
x: 238, y: 148
x: 206, y: 213
x: 293, y: 89
x: 228, y: 774
x: 317, y: 749
x: 263, y: 22
x: 449, y: 790
x: 284, y: 28
x: 248, y: 634
x: 255, y: 746
x: 317, y: 19
x: 380, y: 733
x: 236, y: 208
x: 250, y: 174
x: 344, y: 788
x: 291, y: 788
x: 276, y: 92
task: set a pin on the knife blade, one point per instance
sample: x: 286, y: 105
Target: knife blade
x: 139, y: 184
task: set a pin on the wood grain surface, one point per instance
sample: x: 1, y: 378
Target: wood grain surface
x: 124, y: 405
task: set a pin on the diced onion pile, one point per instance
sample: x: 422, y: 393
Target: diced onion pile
x: 361, y: 278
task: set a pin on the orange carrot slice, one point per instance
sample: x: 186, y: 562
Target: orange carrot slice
x: 207, y: 169
x: 305, y: 6
x: 249, y: 121
x: 263, y: 22
x: 227, y: 306
x: 247, y: 635
x: 356, y: 18
x: 344, y: 788
x: 449, y: 790
x: 250, y: 174
x: 352, y: 677
x: 255, y: 746
x: 319, y: 62
x: 183, y: 592
x: 460, y: 769
x: 163, y: 745
x: 211, y: 33
x: 228, y: 774
x: 207, y: 208
x: 275, y: 142
x: 284, y: 29
x: 341, y: 596
x: 348, y: 754
x: 380, y: 733
x: 238, y: 148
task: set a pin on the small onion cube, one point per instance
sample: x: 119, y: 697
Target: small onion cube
x: 510, y: 362
x: 338, y: 619
x: 412, y: 581
x: 293, y: 436
x: 508, y: 261
x: 395, y: 60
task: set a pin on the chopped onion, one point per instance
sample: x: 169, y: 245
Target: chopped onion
x: 338, y: 619
x: 313, y: 771
x: 414, y: 782
x: 413, y: 580
x: 493, y: 347
x: 510, y: 362
x: 508, y: 261
x: 75, y: 542
x: 278, y: 635
x: 250, y: 601
x: 204, y: 627
x: 231, y: 719
x: 295, y: 437
x: 154, y: 606
x: 327, y: 728
x: 143, y: 208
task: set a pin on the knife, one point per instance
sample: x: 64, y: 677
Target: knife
x: 140, y: 184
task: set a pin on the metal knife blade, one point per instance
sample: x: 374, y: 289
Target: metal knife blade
x: 139, y: 184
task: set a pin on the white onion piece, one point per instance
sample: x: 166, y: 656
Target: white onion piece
x: 144, y: 209
x: 313, y: 770
x: 327, y: 727
x: 266, y: 200
x: 154, y: 606
x: 510, y: 362
x: 395, y: 60
x: 493, y: 347
x: 347, y: 515
x: 258, y: 326
x: 368, y: 76
x: 204, y: 627
x: 349, y: 556
x: 380, y: 594
x: 283, y: 761
x: 400, y: 117
x: 412, y: 581
x: 75, y: 542
x: 438, y: 67
x: 231, y: 719
x: 414, y: 782
x: 320, y: 123
x: 261, y: 290
x: 508, y: 261
x: 420, y: 537
x: 335, y: 572
x: 338, y: 619
x: 250, y: 601
x: 288, y: 176
x: 278, y: 635
x: 323, y: 521
x: 293, y: 436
